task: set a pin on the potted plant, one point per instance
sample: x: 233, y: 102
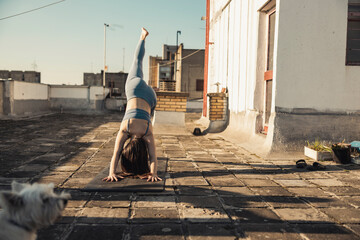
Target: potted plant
x: 318, y: 151
x: 341, y: 152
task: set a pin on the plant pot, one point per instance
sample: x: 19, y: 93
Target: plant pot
x: 342, y: 155
x: 311, y: 153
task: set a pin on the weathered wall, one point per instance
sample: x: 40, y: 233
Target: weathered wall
x: 1, y: 97
x: 66, y: 97
x: 316, y: 95
x: 30, y: 91
x: 190, y: 69
x: 154, y: 71
x: 27, y: 76
x: 30, y: 98
x: 25, y: 98
x: 311, y: 70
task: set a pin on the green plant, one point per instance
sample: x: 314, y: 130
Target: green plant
x: 318, y: 146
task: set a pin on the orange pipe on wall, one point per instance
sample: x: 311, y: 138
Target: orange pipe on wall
x: 206, y: 58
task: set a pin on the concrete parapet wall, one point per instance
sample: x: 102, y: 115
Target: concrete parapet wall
x: 65, y: 97
x: 169, y: 118
x: 21, y: 98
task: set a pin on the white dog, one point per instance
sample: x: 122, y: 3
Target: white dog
x: 27, y: 208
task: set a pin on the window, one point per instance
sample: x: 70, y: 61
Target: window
x: 353, y: 33
x: 199, y: 85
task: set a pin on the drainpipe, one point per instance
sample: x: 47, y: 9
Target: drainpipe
x: 206, y: 69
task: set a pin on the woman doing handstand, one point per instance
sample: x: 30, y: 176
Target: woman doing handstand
x: 136, y: 126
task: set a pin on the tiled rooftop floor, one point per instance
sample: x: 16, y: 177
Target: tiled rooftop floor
x: 214, y: 188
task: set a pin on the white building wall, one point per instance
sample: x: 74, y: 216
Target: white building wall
x: 310, y: 78
x: 311, y: 70
x: 233, y: 50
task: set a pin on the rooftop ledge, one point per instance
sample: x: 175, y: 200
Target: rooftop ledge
x: 175, y: 94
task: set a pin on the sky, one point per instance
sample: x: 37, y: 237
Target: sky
x: 66, y: 39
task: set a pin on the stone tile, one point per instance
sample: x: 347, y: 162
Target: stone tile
x: 261, y: 231
x: 355, y: 228
x: 249, y: 174
x: 109, y: 200
x: 211, y: 232
x: 243, y: 202
x: 103, y: 215
x: 307, y: 191
x: 285, y: 202
x: 343, y: 215
x: 155, y: 202
x: 69, y: 215
x: 56, y: 178
x: 225, y: 181
x: 293, y: 183
x: 194, y: 190
x: 76, y: 183
x: 301, y: 215
x: 151, y: 215
x: 288, y: 176
x: 353, y: 200
x: 325, y: 232
x: 199, y: 201
x: 326, y: 202
x: 234, y: 191
x: 259, y: 183
x: 271, y: 191
x: 327, y: 182
x: 159, y: 231
x: 95, y: 232
x: 7, y: 181
x: 53, y: 232
x: 343, y: 191
x: 204, y: 215
x: 259, y: 215
x: 168, y: 190
x: 191, y: 181
x: 313, y: 175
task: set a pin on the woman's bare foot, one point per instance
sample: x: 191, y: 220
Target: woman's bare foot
x: 144, y: 33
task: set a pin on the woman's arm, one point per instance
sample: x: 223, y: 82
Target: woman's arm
x: 119, y: 143
x: 153, y: 159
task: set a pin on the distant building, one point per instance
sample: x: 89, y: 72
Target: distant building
x: 26, y: 76
x: 114, y: 81
x: 190, y: 70
x: 154, y: 71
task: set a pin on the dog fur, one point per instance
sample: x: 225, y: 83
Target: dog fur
x: 26, y: 208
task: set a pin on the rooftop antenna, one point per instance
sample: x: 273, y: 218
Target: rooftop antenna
x: 34, y: 66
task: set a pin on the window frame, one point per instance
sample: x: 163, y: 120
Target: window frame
x: 352, y: 16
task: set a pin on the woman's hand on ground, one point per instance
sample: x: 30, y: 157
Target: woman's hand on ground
x: 153, y: 178
x: 112, y: 178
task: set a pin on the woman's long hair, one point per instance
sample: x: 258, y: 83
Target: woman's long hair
x: 134, y: 157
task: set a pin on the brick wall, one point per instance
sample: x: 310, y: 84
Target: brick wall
x: 167, y: 85
x: 171, y: 101
x: 218, y: 106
